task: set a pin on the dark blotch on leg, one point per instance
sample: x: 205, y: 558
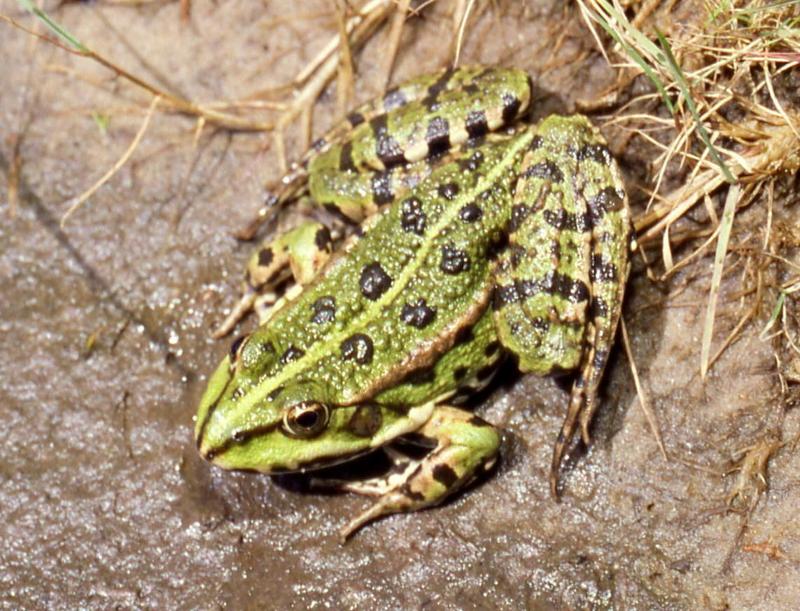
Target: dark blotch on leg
x: 387, y: 148
x: 602, y: 270
x: 346, y: 163
x: 445, y: 475
x: 322, y: 239
x: 595, y: 152
x: 265, y: 257
x: 511, y: 106
x: 394, y: 98
x: 382, y: 188
x: 356, y: 119
x: 546, y: 170
x: 476, y: 124
x: 491, y: 348
x: 438, y: 135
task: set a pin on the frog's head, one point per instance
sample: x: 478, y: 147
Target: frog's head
x: 251, y: 420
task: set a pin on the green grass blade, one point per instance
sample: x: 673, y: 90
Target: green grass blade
x: 54, y: 27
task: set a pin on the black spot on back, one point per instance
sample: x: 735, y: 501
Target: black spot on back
x: 463, y: 335
x: 412, y: 217
x: 324, y: 310
x: 374, y: 281
x: 470, y: 213
x: 292, y: 353
x: 418, y: 314
x: 454, y: 261
x: 358, y: 347
x: 471, y: 163
x: 449, y: 190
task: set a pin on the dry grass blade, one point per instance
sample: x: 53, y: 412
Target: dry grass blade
x: 716, y: 278
x: 462, y: 26
x: 680, y: 79
x: 393, y: 44
x: 71, y: 44
x: 115, y: 168
x: 644, y: 402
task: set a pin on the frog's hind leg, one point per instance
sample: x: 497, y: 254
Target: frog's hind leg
x: 463, y: 447
x: 612, y: 240
x: 559, y: 283
x: 299, y: 253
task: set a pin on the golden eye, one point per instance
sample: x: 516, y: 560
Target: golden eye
x: 305, y: 420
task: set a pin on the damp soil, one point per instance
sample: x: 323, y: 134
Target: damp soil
x: 104, y: 332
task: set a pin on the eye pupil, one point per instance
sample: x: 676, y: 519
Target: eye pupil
x: 307, y: 420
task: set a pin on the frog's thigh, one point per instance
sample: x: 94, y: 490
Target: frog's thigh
x: 358, y: 195
x: 542, y: 289
x: 465, y: 446
x: 301, y: 251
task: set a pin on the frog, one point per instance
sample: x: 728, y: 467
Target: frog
x: 477, y: 238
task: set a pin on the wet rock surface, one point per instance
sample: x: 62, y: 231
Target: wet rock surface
x: 104, y: 330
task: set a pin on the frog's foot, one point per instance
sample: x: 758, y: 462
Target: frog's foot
x: 465, y: 446
x: 301, y: 251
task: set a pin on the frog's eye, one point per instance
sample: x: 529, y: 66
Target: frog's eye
x: 305, y: 420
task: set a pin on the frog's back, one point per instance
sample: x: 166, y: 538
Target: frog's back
x: 402, y: 294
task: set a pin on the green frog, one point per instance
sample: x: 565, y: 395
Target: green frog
x: 477, y: 236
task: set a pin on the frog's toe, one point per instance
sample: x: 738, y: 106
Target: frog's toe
x: 239, y: 311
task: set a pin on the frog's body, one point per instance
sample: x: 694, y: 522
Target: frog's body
x: 476, y: 245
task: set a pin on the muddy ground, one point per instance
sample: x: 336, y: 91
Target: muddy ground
x: 104, y: 332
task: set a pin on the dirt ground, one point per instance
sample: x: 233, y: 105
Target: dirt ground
x: 104, y: 331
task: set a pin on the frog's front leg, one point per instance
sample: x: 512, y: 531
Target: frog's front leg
x: 465, y: 446
x: 300, y: 252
